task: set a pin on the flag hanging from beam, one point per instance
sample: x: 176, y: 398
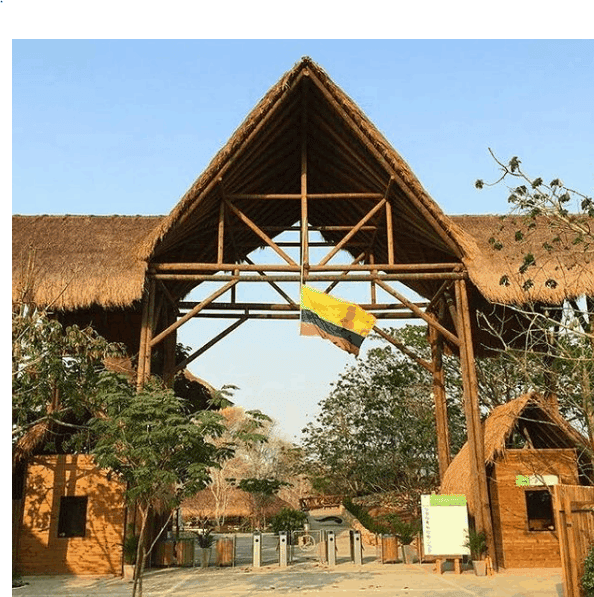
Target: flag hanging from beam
x: 344, y: 324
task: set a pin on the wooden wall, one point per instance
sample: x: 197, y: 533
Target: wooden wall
x: 517, y: 547
x: 40, y: 550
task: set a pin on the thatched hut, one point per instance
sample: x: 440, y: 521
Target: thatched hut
x: 238, y: 509
x: 528, y: 447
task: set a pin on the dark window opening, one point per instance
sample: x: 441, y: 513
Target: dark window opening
x: 539, y: 507
x: 72, y: 519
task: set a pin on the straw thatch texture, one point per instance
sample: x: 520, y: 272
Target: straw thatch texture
x: 239, y: 505
x: 74, y: 262
x: 546, y: 429
x: 562, y: 268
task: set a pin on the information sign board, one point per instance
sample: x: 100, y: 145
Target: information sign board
x: 445, y: 524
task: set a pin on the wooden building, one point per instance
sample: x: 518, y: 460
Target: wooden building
x: 307, y: 163
x: 529, y: 448
x: 73, y: 518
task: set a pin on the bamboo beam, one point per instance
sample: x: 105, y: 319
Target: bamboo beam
x: 286, y: 307
x: 389, y: 224
x: 402, y: 348
x: 372, y: 290
x: 277, y: 315
x: 193, y: 312
x: 271, y: 228
x: 211, y: 343
x: 419, y: 312
x: 169, y: 346
x: 278, y: 289
x: 476, y: 441
x: 345, y: 275
x: 439, y: 396
x: 352, y: 233
x: 312, y: 278
x: 296, y: 196
x: 303, y: 182
x: 221, y: 233
x: 250, y: 266
x: 254, y: 228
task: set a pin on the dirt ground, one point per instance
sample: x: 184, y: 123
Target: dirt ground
x: 344, y: 580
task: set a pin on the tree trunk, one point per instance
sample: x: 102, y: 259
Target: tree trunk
x: 140, y: 555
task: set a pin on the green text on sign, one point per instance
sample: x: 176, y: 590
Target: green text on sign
x: 447, y: 500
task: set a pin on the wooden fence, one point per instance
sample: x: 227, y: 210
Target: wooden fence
x: 574, y: 515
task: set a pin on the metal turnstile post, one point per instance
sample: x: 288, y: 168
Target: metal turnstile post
x: 356, y: 548
x: 256, y: 550
x: 331, y: 543
x: 282, y: 549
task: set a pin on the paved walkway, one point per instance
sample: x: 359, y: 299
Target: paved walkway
x: 344, y: 580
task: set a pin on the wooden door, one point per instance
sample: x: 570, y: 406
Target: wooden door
x: 574, y: 515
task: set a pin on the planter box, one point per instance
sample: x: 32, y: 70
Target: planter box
x: 480, y: 567
x: 409, y: 554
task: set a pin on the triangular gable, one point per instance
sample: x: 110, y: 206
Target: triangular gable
x: 346, y: 154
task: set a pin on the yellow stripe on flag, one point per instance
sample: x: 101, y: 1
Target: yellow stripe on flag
x: 341, y: 313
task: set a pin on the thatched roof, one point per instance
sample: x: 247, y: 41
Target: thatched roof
x: 562, y: 268
x: 545, y: 428
x: 346, y: 152
x: 81, y: 261
x: 239, y: 504
x: 74, y: 262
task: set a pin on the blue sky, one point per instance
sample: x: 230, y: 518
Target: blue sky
x: 125, y: 126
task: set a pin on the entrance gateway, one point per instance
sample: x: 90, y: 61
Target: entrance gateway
x: 307, y: 163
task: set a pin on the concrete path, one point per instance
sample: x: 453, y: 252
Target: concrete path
x: 344, y: 580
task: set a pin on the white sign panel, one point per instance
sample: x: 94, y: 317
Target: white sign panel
x: 445, y: 524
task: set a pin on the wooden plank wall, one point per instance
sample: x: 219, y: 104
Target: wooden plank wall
x: 40, y: 550
x: 575, y: 520
x: 516, y: 546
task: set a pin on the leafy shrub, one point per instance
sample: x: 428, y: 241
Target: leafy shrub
x: 205, y: 539
x: 477, y: 543
x: 130, y: 548
x: 405, y: 531
x: 588, y: 578
x: 288, y: 520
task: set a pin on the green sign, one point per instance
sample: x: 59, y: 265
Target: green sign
x: 522, y: 480
x: 447, y: 500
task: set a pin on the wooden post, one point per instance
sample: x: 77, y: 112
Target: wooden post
x: 169, y: 346
x: 144, y: 353
x: 474, y: 426
x: 439, y: 396
x: 221, y: 233
x: 304, y: 224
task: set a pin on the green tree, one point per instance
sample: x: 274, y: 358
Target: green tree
x: 55, y: 374
x: 261, y: 490
x: 556, y: 350
x: 376, y: 429
x: 158, y: 447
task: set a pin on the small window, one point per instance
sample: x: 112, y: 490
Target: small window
x: 72, y: 519
x: 539, y: 507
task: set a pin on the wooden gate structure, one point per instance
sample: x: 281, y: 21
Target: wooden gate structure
x: 305, y: 165
x: 574, y: 513
x: 308, y: 161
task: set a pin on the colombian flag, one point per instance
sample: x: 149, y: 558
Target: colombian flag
x: 344, y: 324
